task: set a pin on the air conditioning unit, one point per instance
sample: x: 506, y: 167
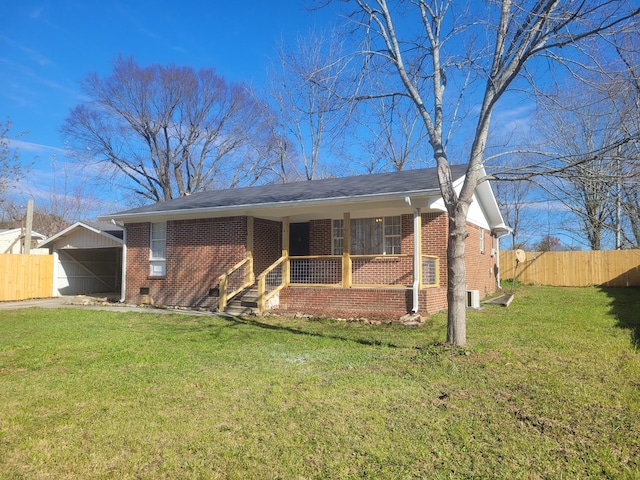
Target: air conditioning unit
x: 473, y: 299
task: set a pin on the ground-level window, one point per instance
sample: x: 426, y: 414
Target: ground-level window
x: 369, y: 236
x: 158, y: 247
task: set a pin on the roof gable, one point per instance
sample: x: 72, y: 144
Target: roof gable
x: 109, y: 234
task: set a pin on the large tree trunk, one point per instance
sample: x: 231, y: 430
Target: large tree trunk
x: 457, y: 275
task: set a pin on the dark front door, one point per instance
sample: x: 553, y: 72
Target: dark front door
x: 299, y: 239
x: 299, y: 247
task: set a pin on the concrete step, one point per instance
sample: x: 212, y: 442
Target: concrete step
x: 243, y: 304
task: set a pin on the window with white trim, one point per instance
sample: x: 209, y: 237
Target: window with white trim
x: 158, y: 247
x: 369, y: 236
x: 481, y: 240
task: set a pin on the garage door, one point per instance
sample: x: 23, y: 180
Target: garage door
x: 86, y: 271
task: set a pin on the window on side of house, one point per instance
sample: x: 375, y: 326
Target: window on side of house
x: 369, y: 236
x: 158, y: 246
x: 481, y: 240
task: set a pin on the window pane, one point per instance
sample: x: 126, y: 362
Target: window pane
x: 158, y: 241
x: 158, y: 231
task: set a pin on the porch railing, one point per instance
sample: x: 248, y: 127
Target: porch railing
x: 234, y: 280
x: 272, y: 280
x: 378, y: 271
x: 316, y: 270
x: 395, y: 271
x: 430, y: 271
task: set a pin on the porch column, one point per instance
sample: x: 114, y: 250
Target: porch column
x: 286, y: 277
x: 250, y: 278
x: 346, y: 250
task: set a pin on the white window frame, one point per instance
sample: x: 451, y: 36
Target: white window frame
x: 158, y: 244
x: 481, y: 242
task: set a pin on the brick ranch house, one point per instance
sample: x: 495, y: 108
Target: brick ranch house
x: 333, y: 246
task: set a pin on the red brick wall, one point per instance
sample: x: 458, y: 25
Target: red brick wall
x: 481, y: 266
x: 387, y: 303
x: 198, y: 252
x: 435, y: 229
x: 320, y: 237
x: 267, y: 244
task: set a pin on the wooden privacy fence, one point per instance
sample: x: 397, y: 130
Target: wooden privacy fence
x: 612, y: 268
x: 25, y: 276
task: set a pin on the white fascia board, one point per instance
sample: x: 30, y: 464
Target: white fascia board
x: 254, y: 209
x: 484, y: 210
x: 62, y: 233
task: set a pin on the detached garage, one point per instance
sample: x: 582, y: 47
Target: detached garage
x: 87, y: 258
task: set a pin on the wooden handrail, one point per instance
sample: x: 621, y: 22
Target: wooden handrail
x: 234, y: 268
x: 223, y: 280
x: 263, y: 295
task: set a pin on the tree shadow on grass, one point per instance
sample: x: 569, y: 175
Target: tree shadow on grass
x: 297, y: 331
x: 426, y: 346
x: 625, y: 306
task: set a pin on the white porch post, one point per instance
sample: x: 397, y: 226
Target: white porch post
x: 417, y: 255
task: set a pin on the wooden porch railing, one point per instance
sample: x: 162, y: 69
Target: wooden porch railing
x: 376, y: 271
x: 234, y: 280
x: 272, y: 280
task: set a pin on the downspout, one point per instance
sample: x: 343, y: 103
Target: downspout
x: 504, y: 234
x: 417, y: 255
x: 123, y: 280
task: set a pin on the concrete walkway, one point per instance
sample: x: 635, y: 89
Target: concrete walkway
x: 93, y: 303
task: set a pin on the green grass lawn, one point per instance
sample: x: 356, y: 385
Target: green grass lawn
x: 548, y: 388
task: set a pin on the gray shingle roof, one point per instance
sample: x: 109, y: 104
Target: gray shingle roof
x: 362, y: 186
x: 106, y: 227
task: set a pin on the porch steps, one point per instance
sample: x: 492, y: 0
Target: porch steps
x: 244, y: 303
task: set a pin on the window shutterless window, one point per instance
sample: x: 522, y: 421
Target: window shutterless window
x: 369, y: 236
x: 158, y: 247
x: 482, y: 240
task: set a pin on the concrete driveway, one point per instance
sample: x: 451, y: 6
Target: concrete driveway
x: 93, y: 303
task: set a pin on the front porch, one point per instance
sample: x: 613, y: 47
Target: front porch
x: 329, y: 282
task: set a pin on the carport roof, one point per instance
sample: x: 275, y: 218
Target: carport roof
x: 107, y: 229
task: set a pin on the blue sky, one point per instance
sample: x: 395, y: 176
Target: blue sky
x: 47, y: 48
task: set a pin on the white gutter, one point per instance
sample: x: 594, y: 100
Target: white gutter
x: 504, y: 234
x: 417, y: 255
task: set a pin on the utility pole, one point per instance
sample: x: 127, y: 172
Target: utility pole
x: 28, y: 228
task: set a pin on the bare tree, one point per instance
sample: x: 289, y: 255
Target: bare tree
x: 303, y: 85
x: 394, y: 135
x: 513, y: 199
x: 498, y: 44
x: 169, y: 130
x: 592, y: 180
x: 11, y: 167
x: 626, y: 95
x: 575, y: 126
